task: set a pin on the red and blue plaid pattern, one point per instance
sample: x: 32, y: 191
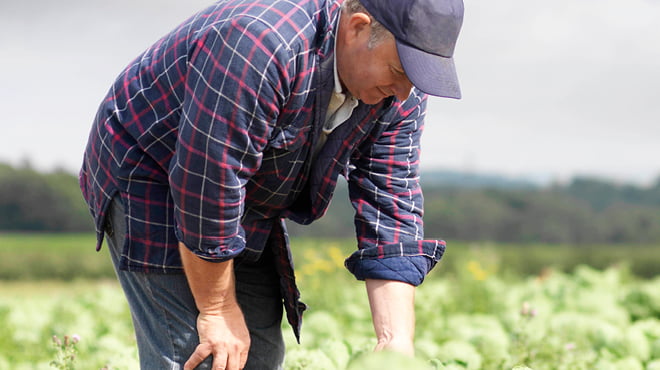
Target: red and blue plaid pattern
x: 207, y: 136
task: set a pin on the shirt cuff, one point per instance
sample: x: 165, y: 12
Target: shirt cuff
x: 230, y: 248
x: 408, y: 262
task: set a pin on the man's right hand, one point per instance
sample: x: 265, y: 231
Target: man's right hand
x: 225, y: 336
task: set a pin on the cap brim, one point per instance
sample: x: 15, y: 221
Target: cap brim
x: 433, y: 74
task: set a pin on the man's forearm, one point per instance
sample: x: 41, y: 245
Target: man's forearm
x: 393, y: 313
x: 212, y: 284
x: 220, y: 324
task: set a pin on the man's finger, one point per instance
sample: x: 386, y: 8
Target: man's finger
x: 220, y: 361
x: 243, y: 359
x: 201, y: 353
x: 234, y: 362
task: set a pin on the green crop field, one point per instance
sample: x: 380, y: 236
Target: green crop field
x: 477, y: 310
x: 48, y: 256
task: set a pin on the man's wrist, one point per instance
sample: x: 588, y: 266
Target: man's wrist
x: 212, y: 284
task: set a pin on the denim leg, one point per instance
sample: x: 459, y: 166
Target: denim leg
x: 258, y: 293
x: 162, y: 307
x: 164, y: 313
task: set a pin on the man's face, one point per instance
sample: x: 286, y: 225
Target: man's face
x: 371, y: 74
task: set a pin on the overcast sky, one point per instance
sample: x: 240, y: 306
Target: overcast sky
x: 551, y: 89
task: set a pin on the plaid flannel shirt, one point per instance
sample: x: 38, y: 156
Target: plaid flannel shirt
x: 207, y: 136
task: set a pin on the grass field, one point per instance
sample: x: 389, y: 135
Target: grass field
x: 477, y: 310
x: 72, y: 256
x: 39, y: 256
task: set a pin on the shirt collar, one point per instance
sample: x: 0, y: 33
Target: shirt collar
x: 338, y: 88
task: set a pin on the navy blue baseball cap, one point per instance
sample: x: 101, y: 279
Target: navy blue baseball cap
x: 426, y: 32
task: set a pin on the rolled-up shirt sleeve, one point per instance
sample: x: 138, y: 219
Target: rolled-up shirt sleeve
x: 385, y: 192
x: 234, y: 88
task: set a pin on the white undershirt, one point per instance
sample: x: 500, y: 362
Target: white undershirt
x: 340, y: 107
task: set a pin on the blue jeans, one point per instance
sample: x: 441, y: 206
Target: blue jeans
x: 164, y: 312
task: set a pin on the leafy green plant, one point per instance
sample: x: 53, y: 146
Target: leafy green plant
x: 474, y: 318
x: 65, y: 356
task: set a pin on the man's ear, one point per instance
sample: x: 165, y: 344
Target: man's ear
x: 358, y: 27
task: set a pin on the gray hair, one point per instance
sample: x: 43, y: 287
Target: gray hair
x: 378, y: 32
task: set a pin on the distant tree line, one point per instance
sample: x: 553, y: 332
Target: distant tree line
x: 34, y: 201
x: 584, y: 211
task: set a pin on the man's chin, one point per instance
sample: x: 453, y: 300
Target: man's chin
x: 372, y: 100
